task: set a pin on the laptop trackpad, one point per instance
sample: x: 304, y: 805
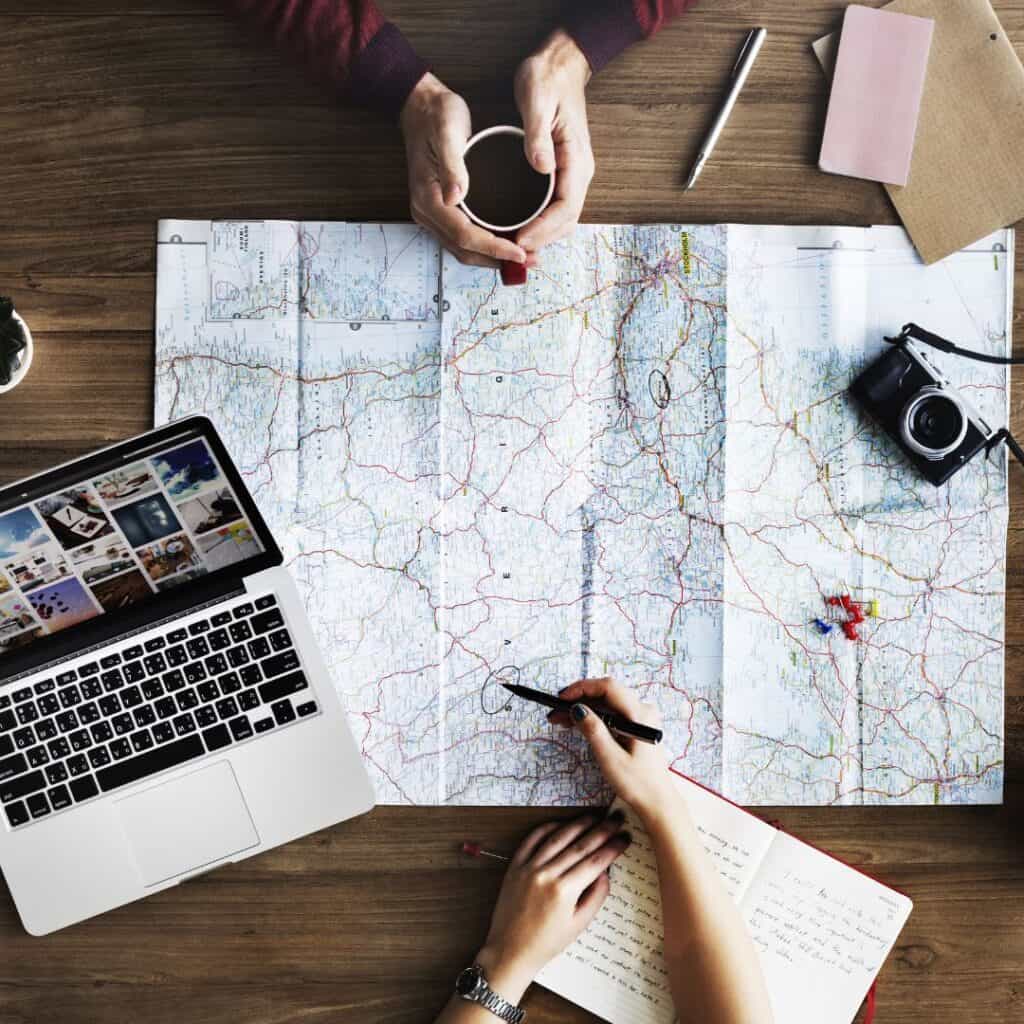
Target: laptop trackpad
x: 181, y: 826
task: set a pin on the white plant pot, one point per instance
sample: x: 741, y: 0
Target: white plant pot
x: 26, y: 358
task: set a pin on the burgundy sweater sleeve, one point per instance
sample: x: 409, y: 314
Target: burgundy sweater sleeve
x: 604, y: 28
x: 347, y: 44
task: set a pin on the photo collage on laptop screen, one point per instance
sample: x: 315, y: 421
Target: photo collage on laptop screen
x: 116, y: 540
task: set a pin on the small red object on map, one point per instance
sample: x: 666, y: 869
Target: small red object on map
x: 512, y: 272
x: 850, y: 629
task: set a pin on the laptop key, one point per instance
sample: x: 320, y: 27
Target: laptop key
x: 144, y: 716
x: 283, y: 686
x: 69, y: 696
x: 251, y: 675
x: 44, y: 730
x: 156, y: 760
x: 26, y: 713
x: 243, y: 611
x: 241, y: 728
x: 110, y: 661
x: 208, y: 691
x: 176, y: 656
x: 281, y: 640
x: 258, y: 647
x: 99, y: 756
x: 177, y: 636
x: 184, y: 724
x: 266, y: 601
x: 55, y: 773
x: 59, y: 748
x: 216, y: 664
x: 22, y: 695
x: 165, y: 707
x: 134, y: 672
x: 24, y: 738
x: 198, y: 648
x: 77, y: 765
x: 278, y: 663
x: 37, y: 756
x: 38, y: 805
x: 155, y: 643
x: 48, y: 704
x: 217, y: 737
x: 123, y: 724
x: 283, y: 712
x: 90, y: 688
x: 221, y: 619
x: 195, y: 673
x: 141, y: 740
x: 240, y: 631
x: 84, y: 788
x: 88, y: 713
x: 219, y: 640
x: 90, y: 668
x: 80, y: 740
x: 174, y: 681
x: 131, y: 696
x: 48, y: 684
x: 120, y: 749
x: 5, y: 701
x: 14, y: 789
x: 152, y: 688
x: 112, y: 680
x: 230, y: 683
x: 248, y: 700
x: 7, y: 744
x: 11, y: 766
x: 227, y: 708
x: 238, y: 656
x: 199, y: 627
x: 155, y: 664
x: 7, y: 720
x: 267, y: 621
x: 110, y: 705
x: 264, y: 725
x: 162, y: 732
x: 205, y: 716
x: 101, y: 732
x: 17, y: 813
x: 59, y: 797
x: 66, y: 721
x: 133, y: 653
x: 187, y: 700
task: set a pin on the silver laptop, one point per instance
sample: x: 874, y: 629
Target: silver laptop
x: 163, y: 706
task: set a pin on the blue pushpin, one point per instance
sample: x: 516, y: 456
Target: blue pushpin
x: 823, y: 627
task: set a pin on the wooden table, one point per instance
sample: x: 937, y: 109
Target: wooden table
x: 137, y: 110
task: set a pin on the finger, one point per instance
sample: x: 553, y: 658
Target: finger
x: 591, y: 868
x: 610, y: 755
x: 451, y: 147
x: 592, y: 899
x: 558, y: 221
x: 575, y: 170
x: 538, y: 113
x: 591, y: 840
x: 460, y: 232
x: 560, y: 718
x: 613, y: 694
x: 562, y: 837
x: 473, y: 259
x: 532, y: 841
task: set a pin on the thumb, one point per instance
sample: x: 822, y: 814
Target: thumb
x: 537, y: 123
x: 452, y: 166
x: 604, y: 745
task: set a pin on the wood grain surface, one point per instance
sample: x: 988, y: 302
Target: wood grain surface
x: 115, y: 113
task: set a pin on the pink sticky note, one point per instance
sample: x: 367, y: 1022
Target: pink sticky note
x: 876, y: 95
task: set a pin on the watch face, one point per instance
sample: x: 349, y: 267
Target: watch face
x: 467, y: 982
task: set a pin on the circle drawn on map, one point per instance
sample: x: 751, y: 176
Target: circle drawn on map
x: 658, y: 386
x: 177, y: 239
x: 225, y: 291
x: 493, y: 699
x: 355, y: 326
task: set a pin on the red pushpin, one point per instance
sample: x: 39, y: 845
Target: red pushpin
x: 850, y: 629
x: 471, y: 849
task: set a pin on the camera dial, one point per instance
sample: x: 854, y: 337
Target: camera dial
x: 933, y: 423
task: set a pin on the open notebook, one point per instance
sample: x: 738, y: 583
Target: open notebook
x: 823, y: 929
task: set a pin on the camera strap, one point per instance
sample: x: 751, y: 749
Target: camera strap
x: 936, y: 341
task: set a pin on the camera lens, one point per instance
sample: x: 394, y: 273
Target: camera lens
x: 933, y: 423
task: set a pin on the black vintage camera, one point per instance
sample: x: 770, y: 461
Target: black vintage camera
x: 927, y: 417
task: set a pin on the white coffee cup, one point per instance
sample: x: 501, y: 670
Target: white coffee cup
x: 25, y: 356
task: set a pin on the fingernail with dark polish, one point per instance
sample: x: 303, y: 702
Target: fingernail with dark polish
x: 579, y: 712
x: 616, y: 816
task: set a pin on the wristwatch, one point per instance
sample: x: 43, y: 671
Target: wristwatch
x: 472, y: 986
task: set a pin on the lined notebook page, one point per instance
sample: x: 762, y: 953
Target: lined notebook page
x: 615, y: 968
x: 823, y: 931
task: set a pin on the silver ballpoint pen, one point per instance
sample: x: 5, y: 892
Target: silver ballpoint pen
x: 740, y: 70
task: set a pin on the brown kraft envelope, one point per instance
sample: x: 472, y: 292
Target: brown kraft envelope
x: 967, y: 171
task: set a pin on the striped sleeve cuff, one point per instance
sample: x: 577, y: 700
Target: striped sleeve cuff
x: 602, y: 29
x: 385, y: 72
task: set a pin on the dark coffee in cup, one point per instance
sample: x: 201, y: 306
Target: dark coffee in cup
x: 504, y: 190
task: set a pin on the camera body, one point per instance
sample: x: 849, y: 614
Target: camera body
x: 937, y: 428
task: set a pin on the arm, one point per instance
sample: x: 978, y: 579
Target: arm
x: 712, y: 964
x: 347, y: 44
x: 555, y: 884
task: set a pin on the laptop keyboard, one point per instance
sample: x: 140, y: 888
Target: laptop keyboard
x: 173, y: 697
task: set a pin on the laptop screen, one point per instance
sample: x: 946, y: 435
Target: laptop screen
x: 120, y: 536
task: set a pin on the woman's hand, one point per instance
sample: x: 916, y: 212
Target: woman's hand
x: 436, y: 126
x: 555, y: 884
x: 550, y: 93
x: 637, y: 771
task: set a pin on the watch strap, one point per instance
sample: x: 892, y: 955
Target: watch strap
x: 486, y: 997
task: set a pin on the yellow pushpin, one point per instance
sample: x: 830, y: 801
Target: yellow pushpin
x: 873, y: 608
